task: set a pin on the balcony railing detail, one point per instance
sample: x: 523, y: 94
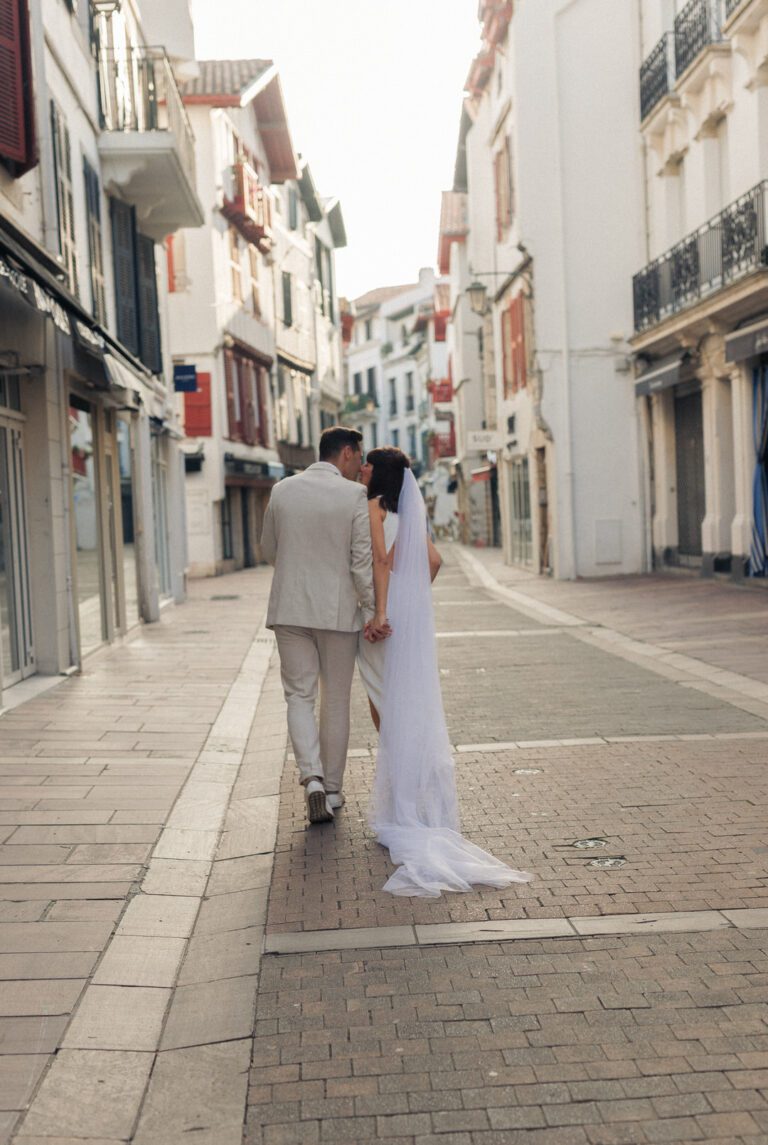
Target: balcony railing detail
x: 696, y: 26
x: 657, y: 74
x: 360, y: 403
x: 138, y: 93
x: 247, y: 204
x: 727, y: 248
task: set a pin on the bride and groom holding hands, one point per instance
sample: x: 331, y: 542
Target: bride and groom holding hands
x: 352, y: 584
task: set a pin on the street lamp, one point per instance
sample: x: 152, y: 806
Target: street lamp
x: 478, y: 295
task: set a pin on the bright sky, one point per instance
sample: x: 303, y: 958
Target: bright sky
x: 373, y: 90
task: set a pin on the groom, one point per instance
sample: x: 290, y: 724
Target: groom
x: 317, y: 535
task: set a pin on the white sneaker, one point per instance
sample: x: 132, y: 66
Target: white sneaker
x: 319, y: 809
x: 335, y: 800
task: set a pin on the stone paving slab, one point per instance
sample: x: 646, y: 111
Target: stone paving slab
x: 589, y: 1041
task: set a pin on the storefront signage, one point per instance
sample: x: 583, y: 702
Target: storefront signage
x: 749, y: 342
x: 482, y: 440
x: 185, y: 378
x: 16, y: 279
x: 89, y: 339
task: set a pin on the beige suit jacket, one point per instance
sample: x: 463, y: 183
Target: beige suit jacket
x: 318, y: 536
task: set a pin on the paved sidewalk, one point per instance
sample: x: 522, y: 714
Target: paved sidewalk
x: 377, y: 1019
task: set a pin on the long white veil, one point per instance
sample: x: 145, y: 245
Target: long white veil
x: 414, y: 809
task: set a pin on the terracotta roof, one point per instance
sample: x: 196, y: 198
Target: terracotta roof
x: 225, y: 78
x: 381, y: 294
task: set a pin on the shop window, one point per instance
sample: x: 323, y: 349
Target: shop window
x: 17, y: 112
x: 227, y: 550
x: 95, y: 244
x: 65, y: 199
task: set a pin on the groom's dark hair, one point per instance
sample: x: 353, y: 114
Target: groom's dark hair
x: 333, y: 440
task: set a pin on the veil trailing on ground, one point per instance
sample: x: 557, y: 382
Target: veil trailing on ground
x: 414, y: 809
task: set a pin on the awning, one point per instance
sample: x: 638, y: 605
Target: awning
x: 482, y: 474
x: 663, y: 373
x: 749, y: 342
x: 287, y: 359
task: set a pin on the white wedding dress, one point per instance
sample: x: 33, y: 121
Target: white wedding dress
x: 414, y: 808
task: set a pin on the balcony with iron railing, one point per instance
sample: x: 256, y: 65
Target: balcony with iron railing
x: 363, y: 406
x: 147, y: 145
x: 697, y: 26
x: 729, y: 247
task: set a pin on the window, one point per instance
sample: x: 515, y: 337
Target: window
x: 287, y: 299
x: 17, y: 114
x: 410, y: 401
x: 374, y: 436
x: 392, y: 397
x: 253, y: 258
x: 65, y: 199
x: 246, y: 383
x: 358, y: 383
x: 371, y: 378
x: 138, y: 320
x: 227, y: 551
x: 503, y: 187
x: 412, y: 442
x: 235, y: 266
x: 95, y: 249
x: 368, y: 329
x: 293, y: 209
x: 395, y: 435
x: 513, y: 346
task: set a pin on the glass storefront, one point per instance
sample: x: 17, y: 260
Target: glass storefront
x: 15, y: 611
x: 126, y: 467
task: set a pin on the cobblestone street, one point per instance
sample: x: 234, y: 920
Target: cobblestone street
x: 159, y: 886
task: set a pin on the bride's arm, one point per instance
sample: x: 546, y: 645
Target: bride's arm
x: 435, y: 560
x: 381, y: 564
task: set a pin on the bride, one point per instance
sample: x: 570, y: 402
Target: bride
x: 414, y: 809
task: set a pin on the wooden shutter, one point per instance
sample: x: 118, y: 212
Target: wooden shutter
x: 287, y: 300
x: 65, y: 199
x: 230, y: 381
x: 93, y: 208
x: 245, y: 382
x: 262, y: 382
x: 516, y: 318
x: 17, y: 121
x: 198, y: 421
x: 150, y: 350
x: 123, y: 254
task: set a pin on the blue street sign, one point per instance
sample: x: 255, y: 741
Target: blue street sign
x: 185, y: 379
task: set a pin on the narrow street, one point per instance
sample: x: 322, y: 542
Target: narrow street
x: 186, y: 960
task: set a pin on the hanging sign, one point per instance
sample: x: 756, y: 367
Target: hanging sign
x: 185, y: 378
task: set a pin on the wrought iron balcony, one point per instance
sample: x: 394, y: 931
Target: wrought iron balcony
x: 657, y: 74
x: 360, y: 404
x: 725, y: 249
x: 147, y: 144
x: 696, y: 27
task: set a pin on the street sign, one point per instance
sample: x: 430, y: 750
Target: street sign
x: 185, y: 379
x: 483, y: 440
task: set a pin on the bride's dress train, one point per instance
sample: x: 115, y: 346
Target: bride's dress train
x: 414, y: 809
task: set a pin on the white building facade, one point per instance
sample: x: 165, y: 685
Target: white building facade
x: 96, y: 169
x: 550, y: 156
x: 701, y: 287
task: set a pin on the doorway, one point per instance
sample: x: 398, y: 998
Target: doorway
x: 16, y: 648
x: 245, y: 506
x: 689, y: 460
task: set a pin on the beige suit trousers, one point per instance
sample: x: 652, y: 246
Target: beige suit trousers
x: 312, y: 658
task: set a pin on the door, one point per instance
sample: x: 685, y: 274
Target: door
x: 689, y: 455
x: 16, y: 648
x: 245, y: 505
x: 521, y: 530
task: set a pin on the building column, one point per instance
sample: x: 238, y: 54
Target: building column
x: 718, y: 474
x: 743, y: 467
x: 664, y: 524
x: 146, y: 562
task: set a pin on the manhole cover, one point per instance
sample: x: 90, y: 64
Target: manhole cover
x: 607, y: 864
x: 197, y: 632
x: 527, y: 771
x: 224, y: 596
x: 589, y: 844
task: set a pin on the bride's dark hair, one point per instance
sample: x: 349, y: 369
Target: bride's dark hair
x: 389, y: 466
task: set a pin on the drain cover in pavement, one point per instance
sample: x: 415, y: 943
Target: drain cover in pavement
x: 607, y: 864
x: 589, y: 844
x: 527, y: 771
x: 224, y: 596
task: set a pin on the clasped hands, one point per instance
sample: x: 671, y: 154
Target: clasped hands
x: 377, y: 629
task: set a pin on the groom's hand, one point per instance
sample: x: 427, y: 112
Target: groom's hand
x: 377, y: 629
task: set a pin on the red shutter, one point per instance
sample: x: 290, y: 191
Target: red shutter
x: 262, y: 379
x: 17, y: 124
x: 198, y: 421
x: 517, y: 343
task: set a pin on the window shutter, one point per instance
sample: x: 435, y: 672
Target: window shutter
x: 17, y: 134
x: 198, y: 420
x: 262, y: 382
x: 149, y: 317
x: 230, y: 381
x: 123, y: 230
x: 287, y: 300
x: 93, y: 207
x: 65, y: 200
